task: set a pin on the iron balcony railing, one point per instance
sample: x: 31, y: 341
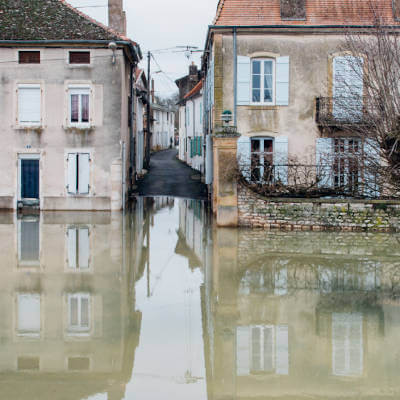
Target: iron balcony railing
x: 339, y: 111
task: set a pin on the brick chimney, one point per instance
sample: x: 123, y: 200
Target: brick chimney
x: 116, y: 16
x: 293, y: 9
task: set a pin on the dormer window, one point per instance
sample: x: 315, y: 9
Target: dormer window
x: 293, y: 9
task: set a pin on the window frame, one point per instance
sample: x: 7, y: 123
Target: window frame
x: 261, y: 154
x: 78, y: 330
x: 262, y: 75
x: 29, y: 86
x: 79, y: 90
x: 73, y: 65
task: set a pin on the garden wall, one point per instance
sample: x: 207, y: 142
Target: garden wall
x: 317, y: 214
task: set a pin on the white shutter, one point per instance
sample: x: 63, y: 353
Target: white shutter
x: 71, y: 239
x: 244, y: 156
x: 324, y: 158
x: 29, y: 105
x: 281, y: 281
x: 84, y: 173
x: 209, y: 160
x: 281, y: 145
x: 84, y: 250
x: 371, y: 163
x: 243, y: 80
x: 282, y: 350
x: 243, y: 350
x: 29, y: 313
x: 71, y: 174
x: 282, y: 81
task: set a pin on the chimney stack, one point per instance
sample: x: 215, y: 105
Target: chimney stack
x: 116, y: 16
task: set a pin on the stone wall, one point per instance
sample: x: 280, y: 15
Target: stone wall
x: 317, y: 214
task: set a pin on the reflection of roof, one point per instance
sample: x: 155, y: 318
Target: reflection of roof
x: 195, y: 90
x: 50, y: 20
x: 184, y: 250
x: 318, y: 12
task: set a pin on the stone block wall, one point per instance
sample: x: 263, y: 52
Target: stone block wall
x: 317, y: 214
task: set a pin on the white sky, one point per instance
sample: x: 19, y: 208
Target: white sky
x: 160, y: 24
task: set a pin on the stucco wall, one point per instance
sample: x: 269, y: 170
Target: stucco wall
x: 55, y: 139
x: 317, y: 214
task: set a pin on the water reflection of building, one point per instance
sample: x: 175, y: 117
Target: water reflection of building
x: 295, y: 320
x: 67, y: 302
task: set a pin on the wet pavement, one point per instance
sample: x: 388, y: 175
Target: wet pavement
x: 170, y: 177
x: 159, y: 303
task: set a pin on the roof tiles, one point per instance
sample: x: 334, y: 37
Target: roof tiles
x: 318, y: 13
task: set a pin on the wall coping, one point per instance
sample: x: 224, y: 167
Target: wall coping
x: 319, y: 200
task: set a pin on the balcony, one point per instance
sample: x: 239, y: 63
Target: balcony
x: 340, y: 112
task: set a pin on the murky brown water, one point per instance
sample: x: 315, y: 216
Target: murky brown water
x: 158, y: 304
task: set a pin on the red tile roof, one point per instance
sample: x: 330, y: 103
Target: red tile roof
x: 195, y: 90
x: 319, y: 12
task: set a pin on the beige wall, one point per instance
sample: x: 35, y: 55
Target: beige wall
x: 110, y: 90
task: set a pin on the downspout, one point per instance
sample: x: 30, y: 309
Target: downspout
x: 132, y: 153
x: 235, y: 76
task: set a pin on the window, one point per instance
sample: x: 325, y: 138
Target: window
x: 262, y: 90
x: 29, y: 242
x: 29, y: 57
x: 79, y: 106
x: 346, y: 168
x: 262, y: 160
x: 29, y: 105
x: 28, y: 314
x: 78, y: 364
x: 78, y: 248
x: 262, y: 350
x: 28, y: 363
x: 79, y: 313
x: 79, y: 57
x: 78, y: 174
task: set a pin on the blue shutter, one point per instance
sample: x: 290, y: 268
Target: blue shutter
x: 243, y: 80
x: 371, y: 163
x: 244, y: 156
x: 324, y: 158
x: 282, y: 81
x: 281, y: 144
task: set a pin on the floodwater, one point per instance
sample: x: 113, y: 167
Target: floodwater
x: 159, y: 304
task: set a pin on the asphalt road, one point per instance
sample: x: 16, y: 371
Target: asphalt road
x: 170, y: 177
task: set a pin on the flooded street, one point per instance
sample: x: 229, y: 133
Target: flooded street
x: 161, y: 304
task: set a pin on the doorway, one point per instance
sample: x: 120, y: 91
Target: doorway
x: 29, y: 183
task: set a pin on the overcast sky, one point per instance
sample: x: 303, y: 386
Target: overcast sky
x: 160, y: 24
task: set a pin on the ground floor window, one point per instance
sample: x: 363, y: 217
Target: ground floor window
x: 346, y: 163
x: 78, y: 173
x: 262, y: 160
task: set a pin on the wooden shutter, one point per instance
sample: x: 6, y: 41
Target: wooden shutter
x: 371, y: 166
x: 29, y: 313
x: 29, y: 57
x: 84, y: 173
x: 244, y: 156
x: 243, y: 80
x: 324, y: 159
x: 282, y: 350
x: 79, y: 57
x: 71, y: 243
x: 282, y: 81
x: 72, y: 173
x: 243, y: 350
x: 83, y: 248
x: 281, y: 145
x: 29, y: 105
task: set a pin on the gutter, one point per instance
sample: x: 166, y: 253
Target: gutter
x: 133, y: 47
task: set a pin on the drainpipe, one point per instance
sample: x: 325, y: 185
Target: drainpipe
x: 132, y: 153
x: 235, y: 76
x: 123, y: 175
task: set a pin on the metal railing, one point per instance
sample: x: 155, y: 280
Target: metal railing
x: 339, y: 111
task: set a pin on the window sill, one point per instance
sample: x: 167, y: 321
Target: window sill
x: 79, y: 66
x: 79, y: 128
x: 26, y: 128
x: 260, y: 107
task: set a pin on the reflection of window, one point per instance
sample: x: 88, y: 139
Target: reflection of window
x: 78, y: 248
x: 79, y: 106
x: 28, y: 363
x: 262, y: 349
x: 79, y: 313
x: 29, y: 314
x: 347, y: 153
x: 78, y: 364
x: 262, y: 159
x: 262, y: 89
x: 29, y: 243
x: 347, y: 344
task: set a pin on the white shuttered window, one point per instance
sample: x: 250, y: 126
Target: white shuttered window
x: 79, y: 313
x: 29, y: 314
x: 29, y: 105
x: 78, y: 174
